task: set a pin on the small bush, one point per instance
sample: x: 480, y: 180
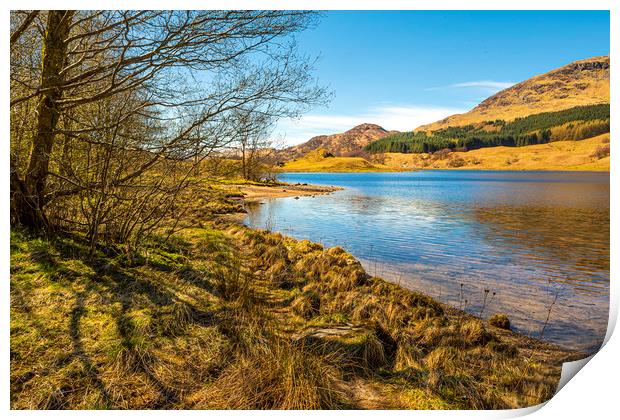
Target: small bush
x: 601, y: 152
x: 456, y: 162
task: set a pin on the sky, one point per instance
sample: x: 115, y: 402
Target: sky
x: 401, y: 69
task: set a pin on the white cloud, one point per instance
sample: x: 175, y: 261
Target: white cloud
x: 401, y: 118
x: 487, y: 85
x: 484, y: 84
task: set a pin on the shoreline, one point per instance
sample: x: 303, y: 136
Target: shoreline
x: 419, y: 169
x: 254, y: 193
x: 249, y: 195
x: 518, y: 339
x: 313, y: 310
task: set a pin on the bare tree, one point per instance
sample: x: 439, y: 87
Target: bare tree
x: 253, y: 145
x: 102, y: 99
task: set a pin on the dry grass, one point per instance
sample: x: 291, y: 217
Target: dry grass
x: 583, y: 155
x: 228, y: 317
x: 307, y: 304
x: 333, y: 164
x: 280, y: 376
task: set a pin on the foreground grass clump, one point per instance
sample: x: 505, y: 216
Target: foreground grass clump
x: 228, y: 317
x: 277, y: 376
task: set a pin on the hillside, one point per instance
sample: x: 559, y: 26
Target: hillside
x: 349, y: 143
x: 583, y: 82
x: 577, y: 123
x: 320, y: 160
x: 584, y: 155
x: 563, y: 105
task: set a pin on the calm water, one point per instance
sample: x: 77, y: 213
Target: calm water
x: 525, y: 236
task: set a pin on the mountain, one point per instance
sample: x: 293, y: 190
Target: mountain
x: 349, y: 143
x: 583, y: 82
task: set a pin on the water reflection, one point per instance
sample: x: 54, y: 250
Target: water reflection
x: 525, y: 236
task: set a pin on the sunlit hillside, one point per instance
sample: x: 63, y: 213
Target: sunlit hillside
x: 320, y: 160
x: 583, y: 82
x: 584, y: 155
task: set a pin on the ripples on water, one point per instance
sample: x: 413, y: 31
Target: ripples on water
x: 527, y: 236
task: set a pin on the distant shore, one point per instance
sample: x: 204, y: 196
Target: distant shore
x: 252, y: 193
x: 578, y: 156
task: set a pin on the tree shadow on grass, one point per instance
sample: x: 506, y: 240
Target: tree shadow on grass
x: 113, y: 285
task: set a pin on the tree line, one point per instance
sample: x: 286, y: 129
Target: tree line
x: 571, y: 124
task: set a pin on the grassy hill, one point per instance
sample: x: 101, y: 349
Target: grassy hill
x: 585, y: 155
x: 570, y: 124
x: 320, y: 160
x: 564, y: 105
x: 583, y: 82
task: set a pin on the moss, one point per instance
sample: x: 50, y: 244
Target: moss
x: 328, y: 319
x: 422, y: 399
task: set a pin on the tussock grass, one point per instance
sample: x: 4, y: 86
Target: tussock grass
x: 281, y: 376
x: 307, y: 304
x: 409, y: 355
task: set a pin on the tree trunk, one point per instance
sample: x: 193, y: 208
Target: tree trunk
x: 29, y: 207
x: 243, y: 163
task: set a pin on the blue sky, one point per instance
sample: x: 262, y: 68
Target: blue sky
x: 401, y: 69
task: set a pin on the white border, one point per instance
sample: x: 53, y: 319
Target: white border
x: 592, y: 395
